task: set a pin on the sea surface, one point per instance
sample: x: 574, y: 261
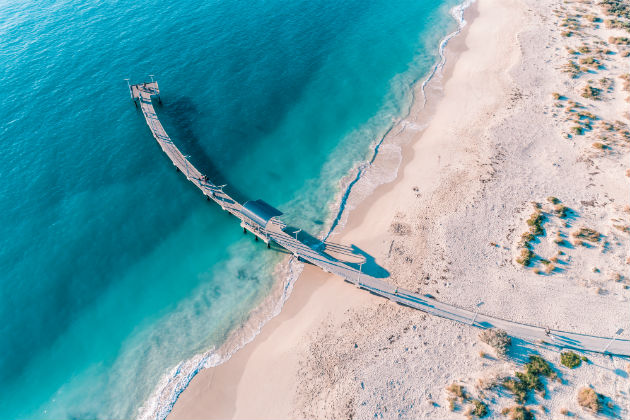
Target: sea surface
x: 118, y: 281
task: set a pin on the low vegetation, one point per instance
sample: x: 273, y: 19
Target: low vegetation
x: 589, y: 400
x: 497, y: 339
x: 561, y: 210
x: 526, y: 257
x: 530, y: 379
x: 570, y: 359
x: 457, y: 390
x: 588, y: 234
x: 517, y: 412
x: 479, y: 409
x: 577, y: 130
x: 620, y: 8
x: 535, y: 222
x: 458, y: 393
x: 591, y: 92
x: 617, y: 24
x: 593, y: 18
x: 589, y: 61
x: 573, y: 69
x: 619, y: 40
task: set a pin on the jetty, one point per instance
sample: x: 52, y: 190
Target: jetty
x: 262, y: 219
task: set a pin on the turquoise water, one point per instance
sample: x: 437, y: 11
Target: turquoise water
x: 113, y: 268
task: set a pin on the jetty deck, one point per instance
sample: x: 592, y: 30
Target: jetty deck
x: 270, y: 228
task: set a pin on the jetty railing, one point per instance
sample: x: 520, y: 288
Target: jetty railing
x: 269, y: 228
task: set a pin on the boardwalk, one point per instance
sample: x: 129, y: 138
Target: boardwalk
x: 260, y: 219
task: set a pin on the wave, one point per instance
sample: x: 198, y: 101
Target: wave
x: 364, y: 171
x: 361, y: 182
x: 173, y: 383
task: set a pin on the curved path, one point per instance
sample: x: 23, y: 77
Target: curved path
x: 275, y: 231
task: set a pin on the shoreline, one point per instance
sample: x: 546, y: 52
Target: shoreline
x: 419, y: 86
x: 176, y: 381
x: 220, y: 384
x: 490, y: 142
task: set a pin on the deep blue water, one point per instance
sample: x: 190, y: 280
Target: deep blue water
x: 113, y: 269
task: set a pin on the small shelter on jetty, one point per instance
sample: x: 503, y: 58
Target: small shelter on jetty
x: 260, y: 213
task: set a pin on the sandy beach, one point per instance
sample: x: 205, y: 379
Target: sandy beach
x: 510, y: 129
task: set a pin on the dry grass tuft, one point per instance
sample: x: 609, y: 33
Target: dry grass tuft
x: 573, y: 69
x: 497, y: 339
x: 619, y: 40
x: 589, y: 399
x: 518, y: 412
x: 457, y: 390
x: 590, y: 92
x: 588, y: 234
x: 526, y: 257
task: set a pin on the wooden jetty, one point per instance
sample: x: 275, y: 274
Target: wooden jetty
x: 262, y: 220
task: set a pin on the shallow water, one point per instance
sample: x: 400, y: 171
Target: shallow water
x: 114, y: 268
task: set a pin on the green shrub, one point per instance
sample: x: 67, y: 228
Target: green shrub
x: 480, y: 409
x: 518, y: 388
x: 535, y: 222
x: 530, y: 379
x: 526, y: 257
x: 539, y: 366
x: 570, y: 359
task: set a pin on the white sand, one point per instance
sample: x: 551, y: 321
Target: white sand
x: 495, y: 142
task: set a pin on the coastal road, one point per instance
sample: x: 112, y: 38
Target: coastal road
x: 531, y: 333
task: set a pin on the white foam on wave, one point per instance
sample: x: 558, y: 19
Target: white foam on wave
x: 366, y: 176
x: 457, y: 12
x: 173, y: 383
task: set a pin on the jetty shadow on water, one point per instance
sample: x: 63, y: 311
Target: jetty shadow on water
x: 178, y: 118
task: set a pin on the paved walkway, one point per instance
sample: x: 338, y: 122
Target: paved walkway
x: 275, y: 230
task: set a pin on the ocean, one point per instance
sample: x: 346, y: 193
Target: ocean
x: 118, y: 281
